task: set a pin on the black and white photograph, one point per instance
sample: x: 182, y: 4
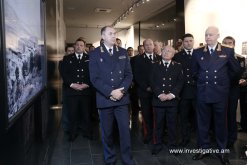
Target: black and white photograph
x: 24, y: 55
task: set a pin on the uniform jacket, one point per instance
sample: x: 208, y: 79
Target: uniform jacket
x: 108, y: 73
x: 166, y: 81
x: 189, y: 88
x: 142, y: 72
x: 212, y: 72
x: 75, y: 71
x: 243, y: 65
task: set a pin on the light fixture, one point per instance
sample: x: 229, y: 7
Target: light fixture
x: 128, y: 11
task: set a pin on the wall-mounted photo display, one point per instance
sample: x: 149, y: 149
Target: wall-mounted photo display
x: 24, y: 54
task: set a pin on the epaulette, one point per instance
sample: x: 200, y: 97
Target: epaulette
x: 200, y: 47
x: 228, y: 46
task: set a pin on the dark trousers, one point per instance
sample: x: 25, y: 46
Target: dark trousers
x: 147, y: 117
x: 205, y: 111
x: 160, y: 114
x: 79, y: 113
x: 65, y: 115
x: 232, y: 113
x: 243, y: 110
x: 107, y: 115
x: 187, y: 116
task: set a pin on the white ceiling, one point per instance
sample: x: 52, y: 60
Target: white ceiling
x: 81, y: 13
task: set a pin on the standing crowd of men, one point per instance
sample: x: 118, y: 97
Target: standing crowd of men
x: 195, y: 88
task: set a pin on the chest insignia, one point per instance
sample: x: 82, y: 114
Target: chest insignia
x: 222, y: 56
x: 121, y: 57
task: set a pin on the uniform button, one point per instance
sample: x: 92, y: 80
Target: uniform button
x: 206, y: 82
x: 206, y: 76
x: 188, y: 69
x: 81, y: 69
x: 120, y: 71
x: 112, y: 86
x: 121, y: 78
x: 164, y: 85
x: 78, y: 70
x: 215, y: 82
x: 188, y: 82
x: 78, y: 82
x: 164, y: 78
x: 170, y: 85
x: 170, y: 78
x: 163, y: 91
x: 111, y: 72
x: 206, y: 71
x: 112, y: 79
x: 78, y: 76
x: 188, y: 75
x: 215, y: 71
x: 215, y: 76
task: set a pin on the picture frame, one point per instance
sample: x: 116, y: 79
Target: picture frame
x: 23, y: 60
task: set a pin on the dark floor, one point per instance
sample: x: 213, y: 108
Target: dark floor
x: 89, y: 152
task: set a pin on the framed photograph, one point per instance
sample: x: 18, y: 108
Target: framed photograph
x: 24, y: 55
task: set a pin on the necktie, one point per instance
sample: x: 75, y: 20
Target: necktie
x: 110, y: 52
x: 166, y: 65
x: 211, y: 51
x: 189, y: 52
x: 79, y: 56
x: 150, y: 57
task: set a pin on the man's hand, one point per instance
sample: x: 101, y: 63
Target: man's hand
x: 117, y: 94
x: 79, y: 87
x: 170, y: 96
x: 162, y: 97
x: 242, y: 82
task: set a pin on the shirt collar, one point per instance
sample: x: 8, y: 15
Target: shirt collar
x: 191, y: 51
x: 77, y: 54
x: 209, y: 48
x: 164, y: 61
x: 107, y: 48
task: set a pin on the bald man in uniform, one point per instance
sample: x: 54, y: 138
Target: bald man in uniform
x: 210, y: 67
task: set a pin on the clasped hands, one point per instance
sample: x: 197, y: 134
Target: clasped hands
x: 117, y: 94
x: 79, y: 87
x: 242, y: 82
x: 164, y: 97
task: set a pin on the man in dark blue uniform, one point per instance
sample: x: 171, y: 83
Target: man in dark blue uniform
x: 187, y: 103
x: 233, y: 97
x: 77, y: 90
x: 166, y: 83
x: 111, y: 75
x: 65, y: 109
x: 142, y: 72
x: 210, y: 66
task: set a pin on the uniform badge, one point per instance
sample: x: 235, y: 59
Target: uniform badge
x: 122, y: 57
x: 222, y: 56
x: 202, y: 58
x: 101, y: 60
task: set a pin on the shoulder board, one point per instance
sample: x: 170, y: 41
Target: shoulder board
x: 226, y: 46
x: 200, y: 47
